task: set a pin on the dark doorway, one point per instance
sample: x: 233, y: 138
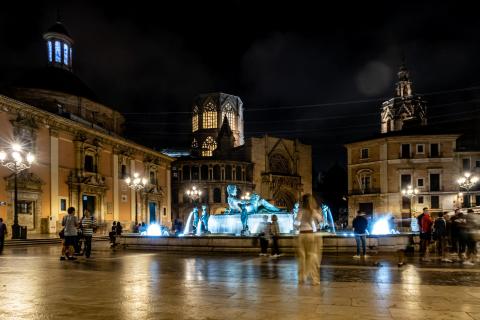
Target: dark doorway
x: 88, y: 202
x: 152, y: 206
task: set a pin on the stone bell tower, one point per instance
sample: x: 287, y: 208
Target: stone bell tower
x: 208, y: 115
x: 405, y: 109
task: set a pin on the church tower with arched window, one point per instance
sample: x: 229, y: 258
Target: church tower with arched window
x: 405, y: 109
x: 209, y: 113
x: 59, y: 46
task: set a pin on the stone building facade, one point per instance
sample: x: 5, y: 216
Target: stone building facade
x: 410, y: 153
x: 81, y: 157
x: 279, y: 170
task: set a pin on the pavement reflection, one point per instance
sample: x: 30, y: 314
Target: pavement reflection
x: 34, y: 284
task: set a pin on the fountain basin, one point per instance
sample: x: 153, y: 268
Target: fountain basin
x: 235, y: 244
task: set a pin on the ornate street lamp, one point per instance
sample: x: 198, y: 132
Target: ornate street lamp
x: 246, y: 196
x: 16, y: 160
x: 136, y: 184
x: 410, y: 192
x: 467, y: 182
x: 194, y: 194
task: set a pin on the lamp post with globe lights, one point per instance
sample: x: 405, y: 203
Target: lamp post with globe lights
x: 246, y: 196
x: 467, y: 182
x: 194, y: 194
x: 136, y: 184
x: 16, y: 160
x: 410, y: 193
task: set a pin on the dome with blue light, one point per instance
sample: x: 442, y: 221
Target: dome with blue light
x: 59, y: 46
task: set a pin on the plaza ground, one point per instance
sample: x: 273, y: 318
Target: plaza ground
x: 139, y: 285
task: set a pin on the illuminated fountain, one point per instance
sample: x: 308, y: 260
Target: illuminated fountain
x: 245, y: 215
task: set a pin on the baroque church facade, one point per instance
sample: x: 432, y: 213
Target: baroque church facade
x: 408, y: 152
x: 82, y: 159
x: 279, y: 170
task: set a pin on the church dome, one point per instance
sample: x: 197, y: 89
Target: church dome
x: 59, y: 28
x: 55, y: 79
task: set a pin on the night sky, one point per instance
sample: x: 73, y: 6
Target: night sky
x: 314, y: 72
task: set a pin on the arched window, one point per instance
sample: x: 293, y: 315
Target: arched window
x: 228, y: 172
x: 194, y: 143
x: 230, y: 114
x: 279, y: 164
x: 208, y: 146
x: 186, y: 172
x: 204, y: 172
x: 195, y: 119
x: 238, y: 173
x: 364, y: 180
x: 65, y: 54
x: 217, y: 195
x: 58, y: 52
x: 50, y: 51
x: 209, y: 116
x: 284, y: 199
x: 216, y: 172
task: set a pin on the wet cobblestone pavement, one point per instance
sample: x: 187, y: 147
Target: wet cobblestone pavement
x: 34, y: 284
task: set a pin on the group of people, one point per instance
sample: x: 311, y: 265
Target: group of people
x: 139, y: 228
x: 456, y: 235
x: 75, y: 232
x: 267, y: 231
x: 117, y: 230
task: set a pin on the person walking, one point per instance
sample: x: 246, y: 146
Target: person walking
x: 3, y: 233
x: 309, y: 245
x: 70, y: 224
x: 88, y: 224
x: 426, y: 234
x: 360, y: 224
x: 452, y: 225
x: 472, y: 227
x: 440, y: 236
x: 264, y: 235
x: 112, y: 234
x: 275, y: 233
x: 462, y: 228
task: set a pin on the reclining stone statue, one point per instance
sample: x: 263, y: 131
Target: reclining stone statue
x: 255, y: 204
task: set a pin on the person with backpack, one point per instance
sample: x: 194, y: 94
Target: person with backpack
x: 70, y: 225
x: 440, y: 236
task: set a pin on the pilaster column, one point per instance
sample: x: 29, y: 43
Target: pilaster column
x: 116, y: 194
x: 54, y: 166
x: 132, y: 194
x: 169, y: 197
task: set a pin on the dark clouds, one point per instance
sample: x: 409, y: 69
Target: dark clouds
x: 144, y: 57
